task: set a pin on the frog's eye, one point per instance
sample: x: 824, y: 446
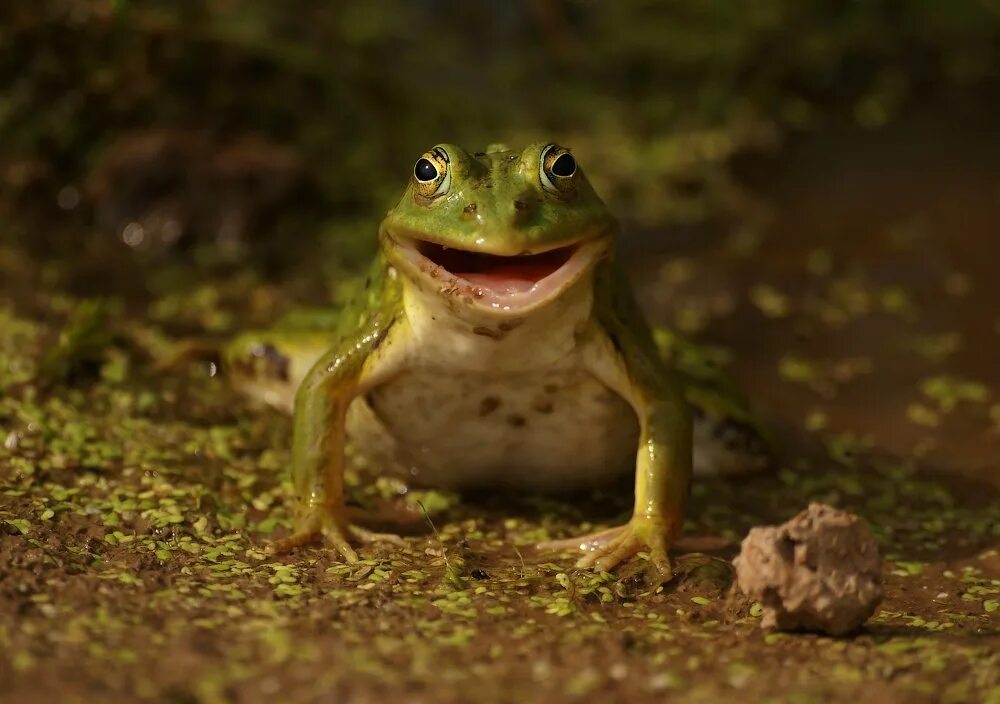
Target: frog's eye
x: 432, y: 173
x: 556, y: 169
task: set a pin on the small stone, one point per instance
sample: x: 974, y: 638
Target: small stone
x: 820, y: 571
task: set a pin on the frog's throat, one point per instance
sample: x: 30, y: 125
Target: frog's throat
x: 502, y: 284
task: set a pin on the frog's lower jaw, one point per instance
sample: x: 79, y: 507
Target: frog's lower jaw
x: 496, y: 283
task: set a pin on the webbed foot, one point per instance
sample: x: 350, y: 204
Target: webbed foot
x: 605, y: 550
x: 332, y: 527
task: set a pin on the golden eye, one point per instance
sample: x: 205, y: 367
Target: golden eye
x: 556, y: 169
x: 431, y: 173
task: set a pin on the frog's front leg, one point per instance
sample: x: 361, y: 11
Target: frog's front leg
x: 354, y: 365
x: 663, y: 459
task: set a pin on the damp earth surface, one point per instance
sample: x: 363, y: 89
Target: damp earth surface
x: 851, y: 291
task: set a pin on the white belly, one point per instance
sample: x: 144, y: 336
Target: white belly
x: 465, y: 399
x: 544, y: 430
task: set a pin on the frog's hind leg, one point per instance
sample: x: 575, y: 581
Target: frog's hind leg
x: 269, y: 365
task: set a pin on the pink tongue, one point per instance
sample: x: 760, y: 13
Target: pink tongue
x: 510, y: 279
x: 499, y: 284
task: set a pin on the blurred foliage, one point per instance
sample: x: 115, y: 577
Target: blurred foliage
x: 236, y: 122
x: 82, y: 341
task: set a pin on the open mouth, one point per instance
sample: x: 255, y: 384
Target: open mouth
x: 503, y: 283
x: 505, y: 276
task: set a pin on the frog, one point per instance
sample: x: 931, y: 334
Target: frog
x: 496, y: 344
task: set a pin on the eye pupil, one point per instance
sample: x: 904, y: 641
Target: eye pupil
x: 424, y: 170
x: 564, y: 165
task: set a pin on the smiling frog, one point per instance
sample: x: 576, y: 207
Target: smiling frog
x: 496, y: 344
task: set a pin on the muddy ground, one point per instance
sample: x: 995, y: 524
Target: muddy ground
x: 855, y: 298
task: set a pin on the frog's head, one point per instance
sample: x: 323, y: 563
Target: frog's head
x: 505, y: 231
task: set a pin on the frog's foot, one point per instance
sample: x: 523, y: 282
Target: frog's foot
x: 367, y: 536
x: 605, y: 550
x: 326, y: 523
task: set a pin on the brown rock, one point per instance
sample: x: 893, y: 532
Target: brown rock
x: 820, y: 571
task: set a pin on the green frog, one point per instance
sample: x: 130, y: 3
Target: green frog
x: 496, y: 344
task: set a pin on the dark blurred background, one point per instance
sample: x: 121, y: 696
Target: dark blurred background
x: 810, y: 187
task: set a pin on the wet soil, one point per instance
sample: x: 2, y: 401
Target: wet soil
x: 853, y: 296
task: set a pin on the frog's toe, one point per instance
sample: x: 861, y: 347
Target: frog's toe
x: 318, y: 522
x: 295, y: 540
x: 587, y: 543
x: 331, y: 537
x: 629, y: 542
x: 319, y: 525
x: 335, y: 539
x: 366, y: 536
x: 660, y: 563
x: 605, y: 550
x: 615, y: 551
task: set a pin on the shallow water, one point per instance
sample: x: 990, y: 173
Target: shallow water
x: 871, y: 273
